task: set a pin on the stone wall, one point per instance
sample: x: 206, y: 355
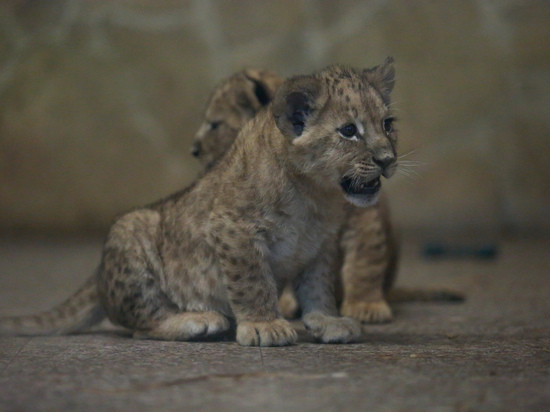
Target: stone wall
x: 100, y: 99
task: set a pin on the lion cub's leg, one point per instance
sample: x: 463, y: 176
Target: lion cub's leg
x: 129, y: 285
x: 251, y: 288
x: 288, y: 305
x: 368, y: 266
x: 315, y: 293
x: 185, y: 326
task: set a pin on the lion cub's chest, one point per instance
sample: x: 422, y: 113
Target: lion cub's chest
x: 296, y: 241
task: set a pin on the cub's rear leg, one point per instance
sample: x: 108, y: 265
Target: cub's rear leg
x: 369, y: 265
x: 185, y: 326
x: 130, y: 285
x: 288, y: 305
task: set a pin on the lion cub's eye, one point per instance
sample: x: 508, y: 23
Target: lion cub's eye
x: 388, y: 125
x: 349, y: 131
x: 215, y: 125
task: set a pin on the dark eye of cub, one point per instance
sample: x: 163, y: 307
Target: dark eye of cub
x: 388, y: 125
x: 348, y: 130
x: 214, y: 125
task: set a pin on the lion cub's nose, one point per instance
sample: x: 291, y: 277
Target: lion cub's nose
x: 384, y: 161
x: 196, y: 149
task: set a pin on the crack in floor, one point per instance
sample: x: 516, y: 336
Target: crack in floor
x: 15, y: 355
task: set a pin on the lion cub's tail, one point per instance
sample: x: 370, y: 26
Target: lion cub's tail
x: 77, y: 313
x: 397, y: 295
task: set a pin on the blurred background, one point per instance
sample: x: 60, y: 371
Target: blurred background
x: 100, y: 100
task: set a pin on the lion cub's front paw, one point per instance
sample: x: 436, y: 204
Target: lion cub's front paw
x: 368, y: 312
x: 332, y: 329
x: 278, y: 332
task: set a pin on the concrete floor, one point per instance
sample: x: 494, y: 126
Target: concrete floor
x: 491, y: 353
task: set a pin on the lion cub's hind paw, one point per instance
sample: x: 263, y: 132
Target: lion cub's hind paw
x: 332, y: 329
x: 187, y: 325
x: 368, y: 312
x: 278, y: 332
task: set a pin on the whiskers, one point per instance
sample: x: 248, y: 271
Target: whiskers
x: 407, y: 167
x: 406, y: 154
x: 407, y: 171
x: 392, y: 105
x: 363, y: 170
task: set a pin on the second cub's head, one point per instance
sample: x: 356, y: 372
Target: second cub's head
x: 340, y: 127
x: 236, y: 100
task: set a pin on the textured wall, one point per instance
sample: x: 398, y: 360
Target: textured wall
x: 99, y: 99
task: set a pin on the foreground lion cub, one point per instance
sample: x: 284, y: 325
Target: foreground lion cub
x: 266, y: 214
x: 367, y: 247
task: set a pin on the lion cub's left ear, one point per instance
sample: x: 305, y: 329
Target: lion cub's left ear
x: 382, y: 77
x: 297, y: 103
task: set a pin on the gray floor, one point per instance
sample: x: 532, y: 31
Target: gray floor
x: 491, y: 353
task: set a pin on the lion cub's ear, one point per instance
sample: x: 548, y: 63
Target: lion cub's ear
x: 382, y: 77
x: 256, y: 90
x: 296, y: 103
x: 265, y: 84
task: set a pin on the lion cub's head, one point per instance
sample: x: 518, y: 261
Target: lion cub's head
x: 235, y: 100
x: 340, y: 127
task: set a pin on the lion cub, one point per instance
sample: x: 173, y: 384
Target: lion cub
x: 267, y: 214
x: 367, y: 248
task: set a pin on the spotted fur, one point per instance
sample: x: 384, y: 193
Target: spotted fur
x: 268, y: 213
x: 368, y: 251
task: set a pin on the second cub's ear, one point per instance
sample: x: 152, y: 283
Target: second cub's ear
x: 265, y: 84
x: 255, y: 89
x: 296, y: 103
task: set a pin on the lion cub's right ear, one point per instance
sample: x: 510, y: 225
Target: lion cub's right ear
x: 297, y: 103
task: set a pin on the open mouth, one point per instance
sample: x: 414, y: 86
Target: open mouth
x: 354, y: 187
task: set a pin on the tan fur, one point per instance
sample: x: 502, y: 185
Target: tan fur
x: 368, y: 248
x: 267, y: 214
x: 77, y: 313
